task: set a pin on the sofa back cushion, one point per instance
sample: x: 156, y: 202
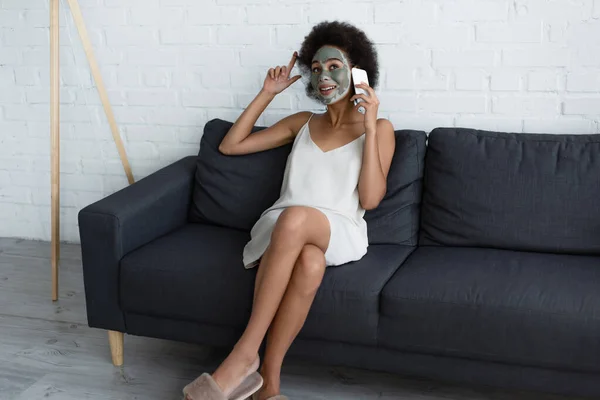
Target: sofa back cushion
x: 530, y: 192
x: 396, y: 219
x: 233, y: 191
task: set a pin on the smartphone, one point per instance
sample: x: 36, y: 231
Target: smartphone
x: 359, y: 76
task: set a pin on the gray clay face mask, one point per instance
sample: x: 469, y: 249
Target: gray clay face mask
x: 330, y: 82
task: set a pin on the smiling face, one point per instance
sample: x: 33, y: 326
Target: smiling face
x: 331, y: 74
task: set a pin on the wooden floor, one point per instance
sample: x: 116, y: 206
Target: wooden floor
x: 48, y: 352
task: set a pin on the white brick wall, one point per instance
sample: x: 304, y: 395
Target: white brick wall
x: 172, y: 65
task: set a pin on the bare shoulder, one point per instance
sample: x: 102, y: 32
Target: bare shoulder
x: 385, y: 125
x: 296, y: 121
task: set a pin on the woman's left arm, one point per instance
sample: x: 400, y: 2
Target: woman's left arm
x: 380, y: 143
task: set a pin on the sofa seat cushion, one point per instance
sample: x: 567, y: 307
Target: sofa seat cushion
x: 497, y: 305
x: 196, y: 274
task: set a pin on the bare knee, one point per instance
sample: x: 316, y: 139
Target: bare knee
x: 309, y: 270
x: 291, y: 223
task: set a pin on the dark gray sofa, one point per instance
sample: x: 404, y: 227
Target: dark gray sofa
x: 483, y: 265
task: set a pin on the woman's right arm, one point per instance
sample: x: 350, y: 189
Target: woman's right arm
x: 239, y: 140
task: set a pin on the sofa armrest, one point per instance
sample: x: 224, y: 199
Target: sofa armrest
x: 123, y: 222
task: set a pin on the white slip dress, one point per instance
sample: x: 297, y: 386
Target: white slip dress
x: 327, y: 181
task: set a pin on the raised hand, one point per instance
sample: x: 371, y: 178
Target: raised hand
x: 278, y: 78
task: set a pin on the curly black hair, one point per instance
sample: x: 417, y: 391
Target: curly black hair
x: 353, y: 41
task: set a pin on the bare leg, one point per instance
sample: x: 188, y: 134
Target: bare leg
x: 306, y: 279
x: 295, y: 228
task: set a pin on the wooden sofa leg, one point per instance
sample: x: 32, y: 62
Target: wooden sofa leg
x: 115, y: 339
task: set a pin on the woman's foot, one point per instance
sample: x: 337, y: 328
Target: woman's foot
x: 236, y: 367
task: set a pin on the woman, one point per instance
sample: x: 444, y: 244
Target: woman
x: 336, y: 170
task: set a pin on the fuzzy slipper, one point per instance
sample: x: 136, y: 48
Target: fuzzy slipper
x: 205, y: 388
x: 278, y: 397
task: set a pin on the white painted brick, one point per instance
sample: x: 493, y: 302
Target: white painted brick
x: 32, y: 112
x: 12, y: 95
x: 581, y: 106
x: 402, y: 56
x: 589, y: 30
x: 553, y: 10
x: 10, y: 18
x: 150, y: 133
x: 430, y: 79
x: 474, y: 79
x: 157, y: 16
x: 25, y: 36
x: 402, y: 79
x: 30, y: 179
x: 67, y: 166
x: 275, y: 14
x: 355, y: 13
x: 4, y: 179
x: 400, y: 12
x: 131, y: 36
x: 161, y: 57
x: 80, y: 182
x: 27, y: 76
x: 216, y: 15
x: 584, y: 81
x: 42, y: 197
x: 420, y: 122
x: 190, y: 35
x: 217, y: 79
x: 281, y: 101
x: 543, y: 81
x: 557, y: 125
x: 177, y: 116
x: 14, y: 130
x: 159, y: 77
x: 384, y: 33
x: 133, y: 3
x: 536, y: 58
x: 406, y: 102
x: 223, y: 113
x: 16, y: 163
x: 463, y: 58
x: 291, y: 35
x: 15, y: 194
x: 7, y: 76
x: 35, y: 95
x: 258, y: 35
x: 9, y: 56
x: 189, y: 135
x: 207, y: 98
x: 506, y: 80
x: 110, y: 55
x: 489, y: 123
x: 474, y: 10
x: 587, y: 56
x: 209, y: 56
x: 76, y: 77
x: 439, y: 36
x: 452, y: 103
x: 78, y: 149
x: 102, y: 167
x: 23, y: 4
x: 40, y: 56
x: 243, y: 2
x: 105, y: 17
x: 141, y: 151
x: 151, y: 97
x: 264, y: 58
x: 509, y: 33
x: 173, y: 152
x: 525, y: 105
x: 248, y: 80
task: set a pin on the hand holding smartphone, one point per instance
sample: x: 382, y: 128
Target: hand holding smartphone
x: 359, y: 76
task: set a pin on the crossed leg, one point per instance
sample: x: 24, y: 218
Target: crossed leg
x: 297, y: 228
